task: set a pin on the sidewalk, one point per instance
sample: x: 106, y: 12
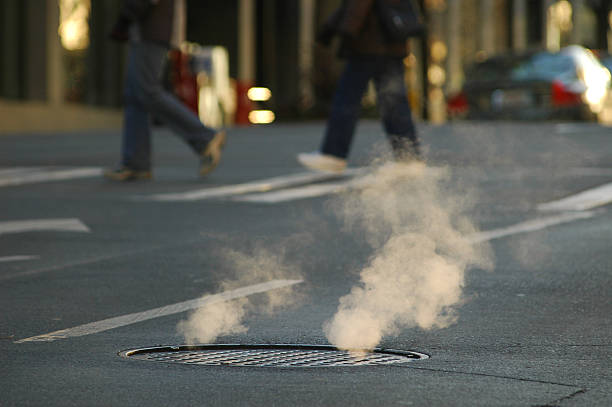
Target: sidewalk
x: 30, y: 117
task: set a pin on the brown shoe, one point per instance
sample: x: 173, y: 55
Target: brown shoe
x: 127, y: 174
x: 211, y: 155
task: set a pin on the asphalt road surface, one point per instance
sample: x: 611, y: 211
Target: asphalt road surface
x: 90, y: 268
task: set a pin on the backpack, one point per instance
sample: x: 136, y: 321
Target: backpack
x: 399, y: 19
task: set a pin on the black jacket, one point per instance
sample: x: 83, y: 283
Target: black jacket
x: 154, y: 16
x: 357, y: 22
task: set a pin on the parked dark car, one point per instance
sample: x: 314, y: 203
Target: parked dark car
x: 570, y: 85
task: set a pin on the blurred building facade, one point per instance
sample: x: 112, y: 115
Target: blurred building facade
x: 55, y: 56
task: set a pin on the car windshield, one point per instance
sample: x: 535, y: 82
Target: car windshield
x: 545, y: 66
x: 540, y: 66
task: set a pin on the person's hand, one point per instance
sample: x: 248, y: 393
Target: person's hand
x: 120, y: 31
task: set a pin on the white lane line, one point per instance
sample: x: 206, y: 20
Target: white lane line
x: 589, y: 199
x: 568, y: 128
x: 292, y: 194
x: 251, y: 187
x: 25, y: 175
x: 6, y: 172
x: 359, y: 179
x: 584, y: 201
x: 18, y: 226
x: 307, y: 191
x: 530, y: 226
x: 7, y: 259
x: 128, y: 319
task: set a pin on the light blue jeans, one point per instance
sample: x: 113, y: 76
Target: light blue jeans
x: 146, y: 98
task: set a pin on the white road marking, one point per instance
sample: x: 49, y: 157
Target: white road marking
x: 589, y: 199
x: 7, y: 259
x: 308, y: 191
x: 128, y: 319
x: 18, y: 226
x: 568, y: 128
x: 292, y: 194
x: 279, y: 189
x: 28, y: 175
x: 13, y: 171
x: 530, y: 226
x: 264, y: 185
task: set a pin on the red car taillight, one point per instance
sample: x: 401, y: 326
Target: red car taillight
x: 560, y: 96
x: 457, y: 104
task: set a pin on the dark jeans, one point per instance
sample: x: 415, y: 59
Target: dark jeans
x: 145, y: 98
x: 388, y: 76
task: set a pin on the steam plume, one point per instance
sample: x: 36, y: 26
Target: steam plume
x: 207, y: 323
x: 419, y: 231
x: 225, y: 318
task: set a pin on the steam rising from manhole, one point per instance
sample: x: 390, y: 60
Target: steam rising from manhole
x: 272, y: 355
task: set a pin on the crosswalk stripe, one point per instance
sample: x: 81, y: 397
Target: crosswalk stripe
x: 292, y: 194
x: 128, y: 319
x: 264, y: 185
x: 589, y: 199
x: 530, y: 226
x: 13, y: 171
x: 308, y: 191
x: 29, y: 175
x: 7, y: 259
x: 19, y: 226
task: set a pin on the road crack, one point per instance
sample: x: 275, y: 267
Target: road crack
x: 557, y: 403
x: 522, y: 379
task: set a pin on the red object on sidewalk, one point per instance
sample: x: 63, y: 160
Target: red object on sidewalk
x: 244, y: 105
x: 457, y: 104
x: 183, y: 79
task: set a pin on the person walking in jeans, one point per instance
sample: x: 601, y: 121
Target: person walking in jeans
x: 370, y: 56
x: 152, y: 27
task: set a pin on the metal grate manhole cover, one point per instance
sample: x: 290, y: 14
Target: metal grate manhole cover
x: 271, y: 355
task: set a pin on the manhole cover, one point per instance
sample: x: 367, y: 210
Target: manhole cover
x: 271, y: 355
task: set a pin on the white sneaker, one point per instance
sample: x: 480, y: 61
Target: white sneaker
x: 322, y: 162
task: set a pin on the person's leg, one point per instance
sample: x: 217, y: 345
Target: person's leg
x: 165, y: 106
x: 136, y: 143
x: 395, y: 109
x: 346, y: 107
